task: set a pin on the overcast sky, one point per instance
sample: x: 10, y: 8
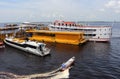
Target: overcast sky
x: 50, y: 10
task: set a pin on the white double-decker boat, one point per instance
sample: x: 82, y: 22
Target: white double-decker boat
x: 28, y: 46
x: 92, y: 33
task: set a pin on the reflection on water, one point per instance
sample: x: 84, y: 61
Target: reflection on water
x: 93, y: 60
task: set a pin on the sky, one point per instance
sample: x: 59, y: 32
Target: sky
x: 67, y: 10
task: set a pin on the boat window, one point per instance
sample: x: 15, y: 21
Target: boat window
x: 89, y: 34
x: 44, y: 34
x: 22, y: 45
x: 41, y: 47
x: 27, y: 45
x: 54, y: 23
x: 29, y: 34
x: 59, y: 24
x: 89, y: 29
x: 66, y: 24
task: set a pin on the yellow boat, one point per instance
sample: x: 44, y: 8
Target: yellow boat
x: 74, y: 38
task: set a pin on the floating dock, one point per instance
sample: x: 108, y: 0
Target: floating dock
x: 66, y: 37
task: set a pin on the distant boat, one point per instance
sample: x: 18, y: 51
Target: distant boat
x: 28, y: 46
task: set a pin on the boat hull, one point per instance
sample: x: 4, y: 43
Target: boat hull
x: 100, y: 39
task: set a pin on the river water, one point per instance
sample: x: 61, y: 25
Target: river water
x: 94, y: 60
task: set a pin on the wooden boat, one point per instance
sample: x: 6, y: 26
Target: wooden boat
x: 67, y: 64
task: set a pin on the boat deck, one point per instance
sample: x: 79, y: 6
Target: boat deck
x: 18, y: 40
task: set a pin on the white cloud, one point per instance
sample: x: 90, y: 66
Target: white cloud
x: 117, y: 11
x: 37, y: 10
x: 44, y: 9
x: 113, y: 4
x: 92, y: 16
x: 102, y: 10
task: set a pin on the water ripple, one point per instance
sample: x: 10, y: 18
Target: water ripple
x: 93, y: 60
